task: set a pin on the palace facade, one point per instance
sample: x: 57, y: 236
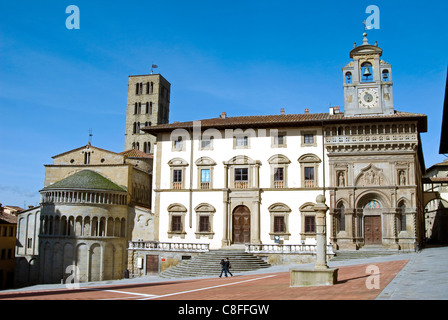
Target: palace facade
x: 245, y: 182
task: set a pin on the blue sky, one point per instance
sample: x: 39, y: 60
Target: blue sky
x: 244, y: 57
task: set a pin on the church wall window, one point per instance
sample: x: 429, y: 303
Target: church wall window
x: 401, y: 217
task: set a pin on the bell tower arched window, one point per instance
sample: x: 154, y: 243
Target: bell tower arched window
x: 366, y: 72
x: 348, y: 78
x: 385, y: 75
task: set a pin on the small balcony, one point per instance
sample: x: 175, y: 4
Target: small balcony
x: 309, y: 184
x: 241, y: 184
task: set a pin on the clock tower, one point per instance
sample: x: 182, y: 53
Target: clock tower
x: 367, y: 82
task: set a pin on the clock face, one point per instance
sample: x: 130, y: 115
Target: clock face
x: 368, y: 98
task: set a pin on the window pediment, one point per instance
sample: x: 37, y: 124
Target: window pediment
x: 205, y: 207
x: 177, y: 162
x: 309, y: 206
x: 237, y: 160
x: 279, y: 159
x: 176, y: 207
x: 279, y: 207
x: 205, y: 161
x: 309, y: 158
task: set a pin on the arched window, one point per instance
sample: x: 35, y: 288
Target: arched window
x: 401, y: 217
x: 348, y: 78
x: 385, y: 75
x: 366, y: 72
x: 341, y: 217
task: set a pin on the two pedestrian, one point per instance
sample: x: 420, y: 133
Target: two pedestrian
x: 225, y: 266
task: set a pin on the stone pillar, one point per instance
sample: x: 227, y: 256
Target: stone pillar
x: 321, y: 275
x: 255, y: 224
x: 321, y: 233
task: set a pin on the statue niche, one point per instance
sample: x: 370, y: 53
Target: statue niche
x: 371, y: 176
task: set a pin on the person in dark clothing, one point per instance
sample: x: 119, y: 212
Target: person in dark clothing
x: 222, y: 268
x: 225, y: 267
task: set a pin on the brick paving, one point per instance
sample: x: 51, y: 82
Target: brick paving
x: 351, y: 285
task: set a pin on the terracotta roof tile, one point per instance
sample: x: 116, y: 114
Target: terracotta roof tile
x: 133, y: 153
x: 8, y: 218
x: 281, y: 120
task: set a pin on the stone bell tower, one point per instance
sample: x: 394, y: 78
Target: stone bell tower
x: 367, y: 82
x: 148, y: 104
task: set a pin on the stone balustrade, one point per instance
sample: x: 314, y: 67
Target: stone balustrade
x: 168, y: 246
x: 378, y: 138
x: 285, y: 248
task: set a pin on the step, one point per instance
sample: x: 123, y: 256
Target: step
x: 209, y: 264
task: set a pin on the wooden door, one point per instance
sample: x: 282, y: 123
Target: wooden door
x: 152, y: 264
x: 241, y: 225
x: 372, y: 230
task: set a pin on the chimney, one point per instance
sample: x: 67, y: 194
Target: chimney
x: 336, y: 110
x: 282, y: 111
x: 30, y: 207
x: 307, y: 111
x: 331, y: 110
x: 224, y: 115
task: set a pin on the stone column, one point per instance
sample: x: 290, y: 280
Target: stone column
x: 321, y: 275
x: 321, y: 233
x: 255, y: 223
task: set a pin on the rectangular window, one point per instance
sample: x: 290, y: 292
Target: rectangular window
x: 278, y: 174
x: 11, y: 231
x: 310, y: 224
x: 204, y: 224
x: 177, y: 176
x: 205, y: 175
x: 241, y: 174
x: 279, y: 224
x: 178, y: 144
x: 4, y: 231
x: 308, y: 138
x: 241, y: 141
x: 176, y: 223
x: 309, y: 173
x: 279, y: 140
x: 29, y: 243
x: 206, y: 143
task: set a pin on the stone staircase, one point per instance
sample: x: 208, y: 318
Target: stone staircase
x: 365, y: 252
x: 208, y: 264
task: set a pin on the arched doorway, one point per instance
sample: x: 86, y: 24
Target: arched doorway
x: 372, y: 223
x: 241, y: 225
